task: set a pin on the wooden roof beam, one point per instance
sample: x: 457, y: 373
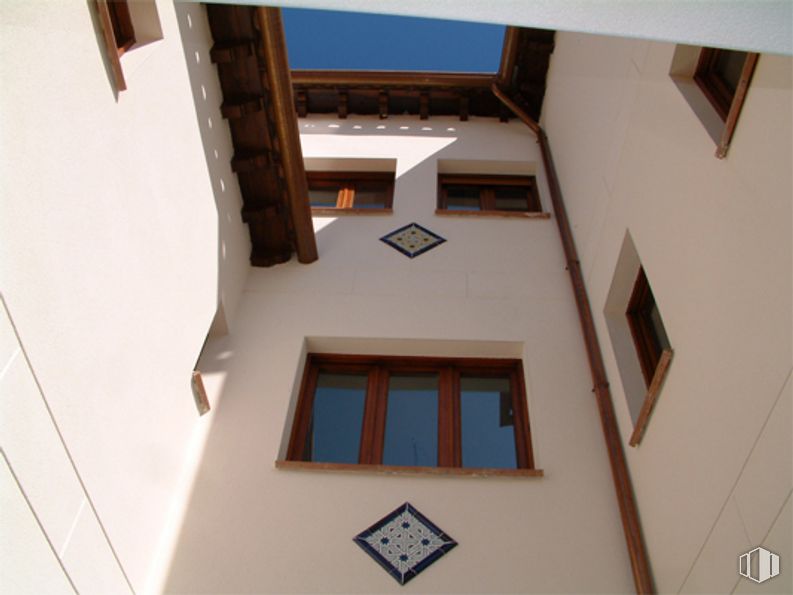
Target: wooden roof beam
x: 342, y: 107
x: 383, y: 79
x: 280, y: 84
x: 509, y: 55
x: 424, y: 105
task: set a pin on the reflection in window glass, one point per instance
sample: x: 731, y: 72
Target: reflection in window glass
x: 370, y: 195
x: 488, y: 430
x: 411, y: 431
x: 323, y: 196
x: 335, y: 432
x: 511, y: 198
x: 462, y: 198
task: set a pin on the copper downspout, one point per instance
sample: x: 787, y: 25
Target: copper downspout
x: 640, y: 566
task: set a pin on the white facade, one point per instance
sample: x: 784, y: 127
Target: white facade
x: 121, y: 239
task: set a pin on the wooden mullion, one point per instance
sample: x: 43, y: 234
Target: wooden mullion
x: 487, y: 199
x: 366, y: 454
x: 381, y: 399
x: 448, y: 416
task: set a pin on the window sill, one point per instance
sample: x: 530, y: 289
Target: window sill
x: 334, y: 212
x: 396, y: 470
x: 652, y: 396
x: 494, y: 214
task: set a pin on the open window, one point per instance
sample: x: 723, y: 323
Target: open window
x: 487, y: 194
x: 412, y: 413
x: 359, y: 192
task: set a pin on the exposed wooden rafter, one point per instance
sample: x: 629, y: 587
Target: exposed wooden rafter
x: 250, y: 55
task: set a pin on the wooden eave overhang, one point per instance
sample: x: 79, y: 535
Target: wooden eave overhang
x: 523, y: 68
x: 250, y: 54
x: 262, y: 99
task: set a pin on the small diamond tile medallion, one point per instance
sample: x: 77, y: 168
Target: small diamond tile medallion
x: 404, y: 543
x: 412, y: 240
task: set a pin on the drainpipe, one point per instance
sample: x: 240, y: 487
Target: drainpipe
x: 619, y: 470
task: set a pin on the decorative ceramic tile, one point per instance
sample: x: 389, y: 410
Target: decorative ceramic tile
x: 412, y: 240
x: 404, y: 542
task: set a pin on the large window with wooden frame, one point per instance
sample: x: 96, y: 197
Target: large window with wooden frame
x: 362, y: 192
x: 487, y: 194
x: 412, y: 413
x: 724, y: 77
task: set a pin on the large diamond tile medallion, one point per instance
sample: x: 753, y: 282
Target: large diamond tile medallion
x: 412, y: 240
x: 404, y: 543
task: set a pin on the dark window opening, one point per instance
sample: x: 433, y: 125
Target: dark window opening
x: 647, y: 328
x: 350, y: 190
x: 488, y: 193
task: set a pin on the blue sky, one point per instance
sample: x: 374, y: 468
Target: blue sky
x: 321, y: 39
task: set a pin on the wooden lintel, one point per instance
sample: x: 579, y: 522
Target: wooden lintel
x: 342, y: 104
x: 382, y: 104
x: 280, y: 85
x: 424, y: 105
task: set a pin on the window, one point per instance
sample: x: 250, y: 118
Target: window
x: 652, y: 347
x: 412, y: 413
x: 719, y: 74
x: 123, y: 33
x: 480, y: 194
x: 361, y: 192
x: 714, y: 82
x: 646, y: 326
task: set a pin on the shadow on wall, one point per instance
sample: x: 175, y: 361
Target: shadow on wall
x: 233, y: 240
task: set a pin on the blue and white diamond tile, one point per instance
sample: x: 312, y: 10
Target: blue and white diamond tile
x: 412, y: 239
x: 404, y: 542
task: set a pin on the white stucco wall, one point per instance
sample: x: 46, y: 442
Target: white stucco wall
x: 496, y: 287
x: 713, y: 472
x: 109, y: 271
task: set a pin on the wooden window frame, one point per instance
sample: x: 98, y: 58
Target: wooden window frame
x: 345, y: 201
x: 728, y: 105
x: 487, y: 199
x: 644, y: 337
x: 118, y: 34
x: 654, y: 359
x: 378, y: 369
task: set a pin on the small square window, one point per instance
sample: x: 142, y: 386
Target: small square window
x: 480, y: 194
x: 362, y: 192
x: 412, y: 413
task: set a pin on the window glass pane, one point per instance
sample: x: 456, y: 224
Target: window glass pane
x: 335, y: 432
x: 658, y: 328
x: 729, y: 65
x: 511, y: 198
x: 370, y: 195
x: 462, y: 198
x: 488, y: 430
x: 323, y: 196
x: 411, y: 431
